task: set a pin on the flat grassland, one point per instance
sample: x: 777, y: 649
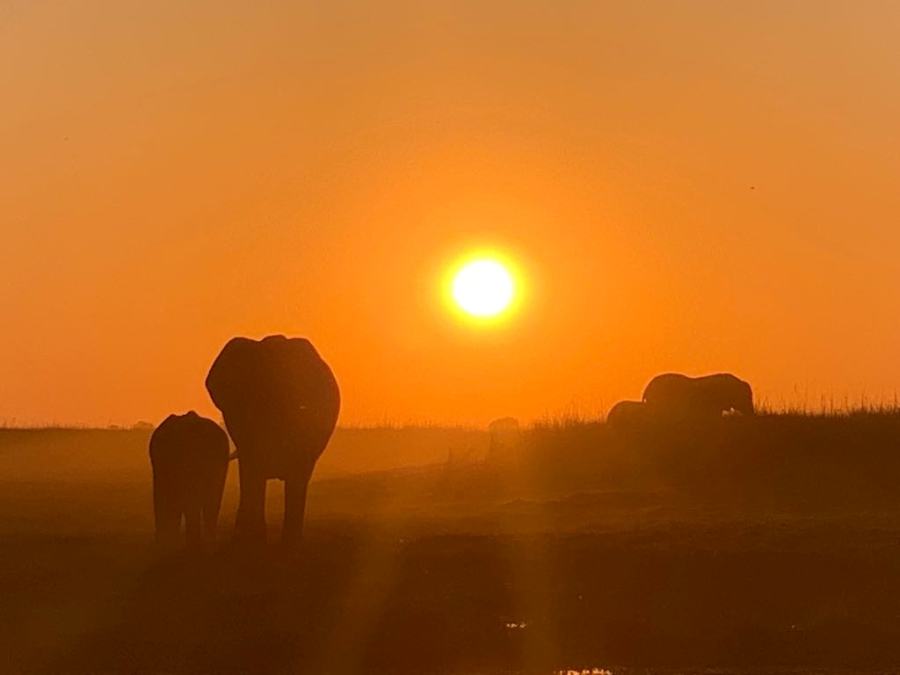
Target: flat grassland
x: 753, y: 543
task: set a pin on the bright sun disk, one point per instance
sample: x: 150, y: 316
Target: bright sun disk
x: 483, y: 288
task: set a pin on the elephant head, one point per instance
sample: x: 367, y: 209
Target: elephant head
x: 727, y: 393
x: 677, y: 395
x: 189, y: 457
x: 280, y: 402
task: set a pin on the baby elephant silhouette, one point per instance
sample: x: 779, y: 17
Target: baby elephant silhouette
x: 189, y: 456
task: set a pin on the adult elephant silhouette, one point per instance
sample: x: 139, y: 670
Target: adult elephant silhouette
x: 189, y: 457
x: 678, y: 396
x: 280, y: 402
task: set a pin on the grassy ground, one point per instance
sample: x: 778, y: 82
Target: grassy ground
x: 762, y: 544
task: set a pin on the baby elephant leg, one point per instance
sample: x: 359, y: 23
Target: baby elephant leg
x: 166, y: 509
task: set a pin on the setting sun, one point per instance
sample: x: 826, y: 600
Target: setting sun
x: 483, y: 288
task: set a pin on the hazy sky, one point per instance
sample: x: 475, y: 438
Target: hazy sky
x: 691, y: 186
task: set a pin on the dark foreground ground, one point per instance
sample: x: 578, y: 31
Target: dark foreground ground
x: 423, y: 571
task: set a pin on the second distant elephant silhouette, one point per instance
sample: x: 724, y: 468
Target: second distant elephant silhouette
x: 627, y: 415
x: 674, y: 395
x: 505, y: 440
x: 280, y: 402
x: 189, y: 457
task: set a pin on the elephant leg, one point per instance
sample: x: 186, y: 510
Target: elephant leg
x: 294, y: 510
x: 212, y: 502
x: 193, y: 524
x: 166, y: 510
x: 251, y: 516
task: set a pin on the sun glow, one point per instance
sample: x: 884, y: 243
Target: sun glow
x: 483, y: 288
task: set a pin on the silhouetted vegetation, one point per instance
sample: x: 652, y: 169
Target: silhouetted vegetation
x: 766, y: 540
x: 780, y: 460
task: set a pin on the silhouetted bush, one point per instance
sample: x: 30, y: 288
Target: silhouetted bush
x: 850, y: 458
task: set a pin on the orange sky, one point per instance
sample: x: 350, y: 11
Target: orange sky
x: 172, y: 176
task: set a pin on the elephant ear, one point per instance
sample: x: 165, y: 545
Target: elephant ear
x: 217, y: 447
x: 166, y: 439
x: 310, y: 395
x: 227, y: 379
x: 311, y: 382
x: 158, y: 437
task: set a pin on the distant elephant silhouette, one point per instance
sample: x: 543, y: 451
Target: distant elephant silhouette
x: 505, y: 439
x: 280, y: 402
x: 189, y: 457
x: 678, y: 396
x: 627, y: 415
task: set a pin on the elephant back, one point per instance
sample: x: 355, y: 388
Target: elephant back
x: 669, y: 392
x: 274, y: 390
x: 188, y: 438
